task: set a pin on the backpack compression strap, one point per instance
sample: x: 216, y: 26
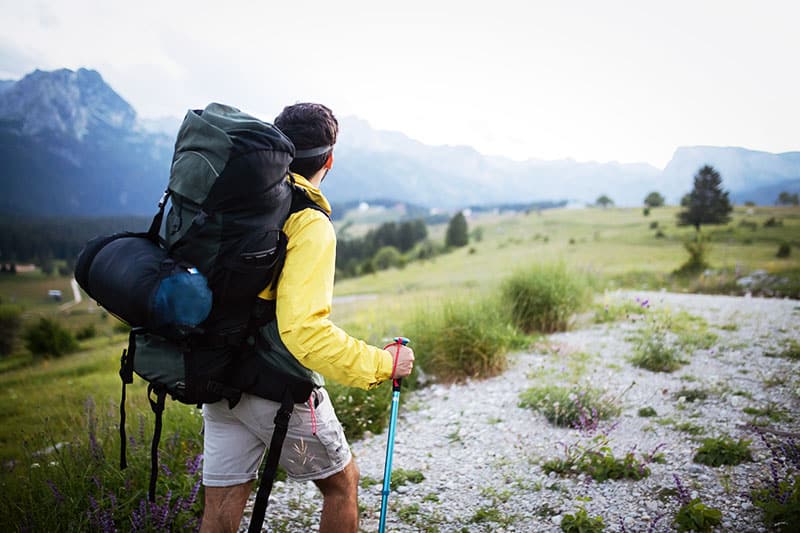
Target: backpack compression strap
x: 157, y: 406
x: 126, y: 375
x: 271, y: 467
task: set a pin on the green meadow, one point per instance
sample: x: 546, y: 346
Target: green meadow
x: 73, y: 401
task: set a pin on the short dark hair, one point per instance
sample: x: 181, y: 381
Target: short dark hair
x: 308, y: 126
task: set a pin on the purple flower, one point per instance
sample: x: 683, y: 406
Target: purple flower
x: 56, y: 493
x: 683, y: 495
x: 193, y: 464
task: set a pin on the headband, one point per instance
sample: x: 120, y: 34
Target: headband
x: 312, y: 152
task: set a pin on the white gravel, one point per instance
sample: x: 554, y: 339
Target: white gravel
x: 481, y: 454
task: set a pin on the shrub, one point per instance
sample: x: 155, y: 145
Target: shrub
x: 463, y: 337
x: 784, y: 250
x: 647, y: 412
x: 360, y: 411
x: 87, y: 332
x: 698, y: 249
x: 697, y: 516
x: 654, y: 224
x: 581, y: 522
x: 544, y: 297
x: 653, y: 347
x: 569, y: 406
x: 779, y: 495
x: 48, y: 337
x: 694, y: 515
x: 723, y: 450
x: 10, y: 324
x: 388, y: 257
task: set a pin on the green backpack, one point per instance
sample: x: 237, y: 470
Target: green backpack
x: 231, y: 193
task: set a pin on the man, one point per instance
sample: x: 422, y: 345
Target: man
x: 307, y: 343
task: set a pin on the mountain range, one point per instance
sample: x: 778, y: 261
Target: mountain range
x: 73, y: 146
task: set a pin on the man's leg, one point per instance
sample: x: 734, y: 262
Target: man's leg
x: 224, y: 507
x: 340, y: 501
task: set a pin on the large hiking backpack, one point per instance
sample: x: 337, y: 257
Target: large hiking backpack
x: 191, y: 297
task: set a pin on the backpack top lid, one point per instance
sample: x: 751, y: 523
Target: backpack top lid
x: 208, y: 139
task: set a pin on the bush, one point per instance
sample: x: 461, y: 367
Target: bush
x: 86, y: 332
x: 544, y: 298
x: 652, y: 349
x: 647, y: 412
x: 697, y: 516
x: 388, y: 257
x: 48, y: 337
x: 360, y: 411
x: 569, y: 406
x: 698, y: 249
x: 462, y: 338
x: 581, y: 522
x: 10, y: 324
x: 723, y: 450
x: 784, y: 250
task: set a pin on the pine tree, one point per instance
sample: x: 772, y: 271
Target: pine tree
x: 457, y: 234
x: 707, y: 203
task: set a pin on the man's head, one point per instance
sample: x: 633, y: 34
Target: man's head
x: 309, y: 126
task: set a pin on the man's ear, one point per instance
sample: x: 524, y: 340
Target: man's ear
x: 329, y: 161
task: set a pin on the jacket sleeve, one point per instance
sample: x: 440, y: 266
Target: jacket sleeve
x: 304, y: 296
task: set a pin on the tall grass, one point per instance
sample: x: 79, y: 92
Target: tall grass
x: 463, y: 337
x: 544, y: 297
x: 77, y: 485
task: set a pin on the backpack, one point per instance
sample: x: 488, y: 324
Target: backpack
x: 191, y: 296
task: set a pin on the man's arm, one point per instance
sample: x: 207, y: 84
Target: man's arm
x: 304, y: 295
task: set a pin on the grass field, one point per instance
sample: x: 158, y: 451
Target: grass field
x: 42, y: 402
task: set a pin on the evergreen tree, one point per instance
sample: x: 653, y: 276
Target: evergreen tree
x: 457, y: 234
x: 707, y: 203
x: 785, y: 198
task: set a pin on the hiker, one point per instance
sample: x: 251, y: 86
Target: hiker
x: 303, y: 340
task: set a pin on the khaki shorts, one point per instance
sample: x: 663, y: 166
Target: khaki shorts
x: 234, y: 440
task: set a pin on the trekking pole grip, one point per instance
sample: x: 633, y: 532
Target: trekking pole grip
x: 402, y: 341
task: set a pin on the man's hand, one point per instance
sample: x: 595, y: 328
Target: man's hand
x: 405, y: 360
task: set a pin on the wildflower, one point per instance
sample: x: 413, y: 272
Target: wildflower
x: 193, y: 464
x: 56, y: 493
x: 683, y: 496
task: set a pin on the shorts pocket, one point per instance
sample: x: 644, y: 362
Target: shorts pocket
x: 331, y: 435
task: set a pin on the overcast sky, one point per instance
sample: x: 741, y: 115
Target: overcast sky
x: 591, y: 80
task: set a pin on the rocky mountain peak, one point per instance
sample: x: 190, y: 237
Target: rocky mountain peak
x: 71, y: 103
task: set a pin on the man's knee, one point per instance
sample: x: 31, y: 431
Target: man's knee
x: 341, y: 483
x: 224, y: 507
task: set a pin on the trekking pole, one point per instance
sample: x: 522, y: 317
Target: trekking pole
x: 387, y: 468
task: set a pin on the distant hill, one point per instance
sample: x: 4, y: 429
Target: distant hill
x: 72, y: 146
x: 748, y: 174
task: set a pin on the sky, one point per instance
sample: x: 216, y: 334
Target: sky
x: 626, y: 81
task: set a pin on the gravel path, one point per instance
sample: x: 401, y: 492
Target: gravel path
x: 481, y: 454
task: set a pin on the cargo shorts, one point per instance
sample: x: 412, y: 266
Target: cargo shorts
x: 235, y: 440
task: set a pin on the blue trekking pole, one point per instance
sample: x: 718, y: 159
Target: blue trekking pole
x: 387, y: 468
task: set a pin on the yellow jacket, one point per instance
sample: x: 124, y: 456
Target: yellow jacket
x: 303, y: 303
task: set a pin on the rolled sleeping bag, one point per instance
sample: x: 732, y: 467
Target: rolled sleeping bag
x: 134, y: 278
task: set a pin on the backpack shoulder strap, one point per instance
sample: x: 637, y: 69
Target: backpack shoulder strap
x: 301, y: 201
